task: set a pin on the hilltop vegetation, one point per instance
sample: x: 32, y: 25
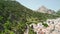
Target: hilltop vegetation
x: 58, y: 12
x: 14, y: 17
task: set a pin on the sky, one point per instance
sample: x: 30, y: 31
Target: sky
x: 35, y: 4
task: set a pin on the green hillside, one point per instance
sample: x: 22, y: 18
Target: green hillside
x: 14, y: 17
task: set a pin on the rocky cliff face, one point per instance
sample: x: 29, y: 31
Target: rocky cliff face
x: 43, y: 9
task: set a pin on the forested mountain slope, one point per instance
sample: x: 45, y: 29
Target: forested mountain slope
x: 14, y: 17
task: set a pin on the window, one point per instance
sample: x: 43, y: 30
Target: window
x: 48, y: 21
x: 52, y: 22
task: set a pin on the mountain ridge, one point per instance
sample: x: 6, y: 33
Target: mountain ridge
x: 43, y: 9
